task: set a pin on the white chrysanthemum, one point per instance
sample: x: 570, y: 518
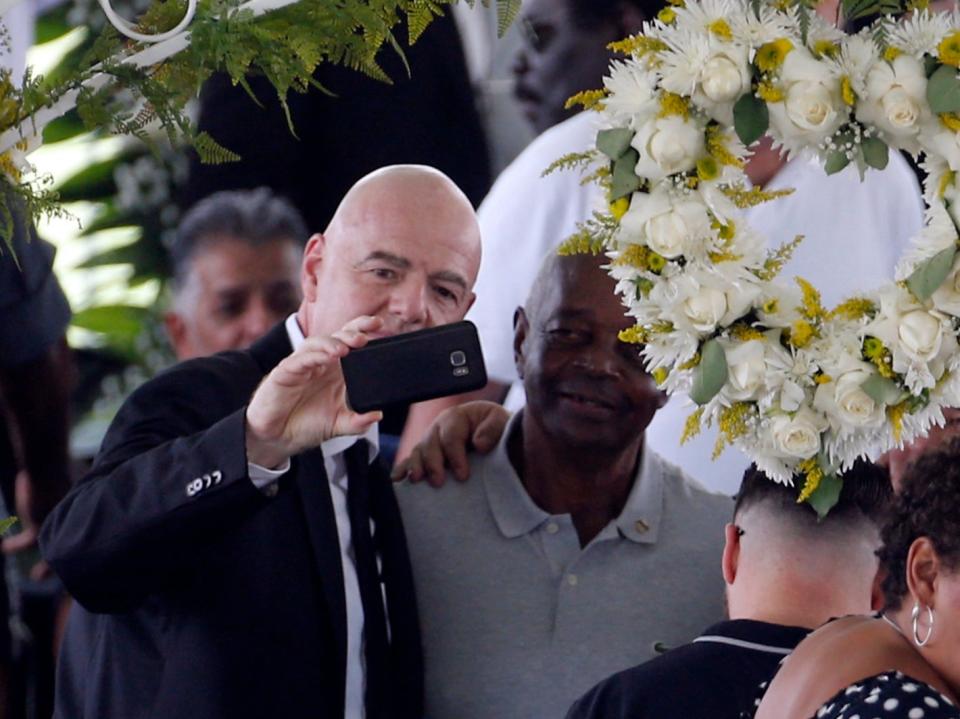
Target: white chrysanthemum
x: 699, y: 15
x: 858, y: 55
x: 919, y: 33
x: 822, y: 32
x: 631, y: 98
x: 756, y: 31
x: 935, y: 168
x: 812, y: 108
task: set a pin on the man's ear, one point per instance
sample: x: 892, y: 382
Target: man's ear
x: 923, y: 568
x: 177, y: 333
x: 731, y: 552
x: 877, y: 601
x: 471, y: 298
x: 520, y: 329
x: 310, y: 267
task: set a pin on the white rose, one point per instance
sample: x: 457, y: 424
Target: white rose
x: 845, y: 400
x: 705, y: 308
x: 947, y: 296
x: 724, y: 79
x: 812, y: 108
x: 895, y: 98
x: 920, y: 334
x: 668, y: 145
x: 797, y: 436
x: 746, y: 369
x: 664, y: 222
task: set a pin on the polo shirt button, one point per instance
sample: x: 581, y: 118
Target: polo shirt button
x: 552, y: 528
x: 641, y: 526
x: 572, y: 580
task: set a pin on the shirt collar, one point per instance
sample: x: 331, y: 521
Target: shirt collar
x: 751, y: 630
x: 516, y: 514
x: 334, y: 445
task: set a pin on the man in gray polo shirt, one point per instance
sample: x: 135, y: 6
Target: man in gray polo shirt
x: 570, y: 553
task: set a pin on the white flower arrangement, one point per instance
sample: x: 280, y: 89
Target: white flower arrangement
x: 804, y: 390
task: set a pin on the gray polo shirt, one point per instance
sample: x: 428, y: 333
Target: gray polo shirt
x: 519, y: 621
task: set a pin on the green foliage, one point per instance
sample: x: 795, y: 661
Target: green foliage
x: 943, y: 90
x: 507, y: 11
x: 929, y: 275
x: 826, y: 495
x: 711, y: 374
x: 750, y: 118
x: 211, y: 151
x: 875, y: 152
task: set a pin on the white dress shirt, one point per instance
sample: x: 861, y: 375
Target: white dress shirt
x: 334, y: 463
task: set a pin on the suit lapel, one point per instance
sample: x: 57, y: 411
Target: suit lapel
x: 318, y: 509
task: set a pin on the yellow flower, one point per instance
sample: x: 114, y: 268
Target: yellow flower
x: 771, y: 306
x: 769, y: 93
x: 667, y: 15
x: 895, y: 417
x: 771, y: 55
x: 892, y: 53
x: 691, y: 428
x: 721, y: 29
x: 801, y: 333
x: 854, y: 309
x: 949, y: 49
x: 635, y: 335
x: 950, y: 120
x: 708, y: 169
x: 825, y: 48
x: 672, y: 104
x: 945, y: 183
x: 656, y: 262
x: 822, y: 378
x: 846, y: 91
x: 618, y: 208
x: 724, y: 231
x: 660, y: 375
x: 872, y: 348
x: 814, y: 475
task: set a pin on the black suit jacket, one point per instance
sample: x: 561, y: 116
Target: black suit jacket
x: 209, y: 599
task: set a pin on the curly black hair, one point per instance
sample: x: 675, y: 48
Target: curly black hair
x: 928, y: 505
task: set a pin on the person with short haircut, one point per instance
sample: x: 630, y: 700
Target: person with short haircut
x: 573, y: 551
x: 236, y: 271
x: 236, y: 552
x: 905, y: 661
x: 787, y: 572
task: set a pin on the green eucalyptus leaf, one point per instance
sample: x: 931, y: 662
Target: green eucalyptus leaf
x: 750, y: 118
x: 943, y: 90
x: 882, y: 390
x: 614, y: 142
x: 930, y: 274
x: 711, y: 374
x: 930, y: 63
x: 875, y: 152
x: 826, y: 495
x: 624, y: 180
x: 836, y: 161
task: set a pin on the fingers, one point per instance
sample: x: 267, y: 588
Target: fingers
x: 353, y: 423
x: 411, y: 468
x: 453, y: 430
x: 490, y: 420
x: 355, y: 333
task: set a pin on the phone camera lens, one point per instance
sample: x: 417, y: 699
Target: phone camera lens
x: 458, y: 358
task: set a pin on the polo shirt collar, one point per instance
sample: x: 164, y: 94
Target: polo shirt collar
x: 516, y: 514
x: 334, y: 445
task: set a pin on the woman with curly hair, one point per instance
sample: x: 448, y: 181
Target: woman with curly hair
x: 904, y: 661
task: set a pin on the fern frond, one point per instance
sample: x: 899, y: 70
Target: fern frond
x: 212, y: 152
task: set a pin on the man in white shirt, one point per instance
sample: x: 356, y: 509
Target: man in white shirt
x: 233, y: 551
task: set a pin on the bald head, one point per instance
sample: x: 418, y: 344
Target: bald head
x: 403, y: 245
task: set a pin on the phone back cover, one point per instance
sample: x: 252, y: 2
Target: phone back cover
x: 414, y: 367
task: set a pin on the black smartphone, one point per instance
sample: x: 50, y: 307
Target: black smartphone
x: 413, y: 367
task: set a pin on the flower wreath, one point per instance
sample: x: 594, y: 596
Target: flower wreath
x: 802, y: 389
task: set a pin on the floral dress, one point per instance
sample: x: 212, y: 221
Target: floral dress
x: 891, y: 695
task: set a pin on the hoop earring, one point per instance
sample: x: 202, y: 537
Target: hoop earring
x: 915, y: 617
